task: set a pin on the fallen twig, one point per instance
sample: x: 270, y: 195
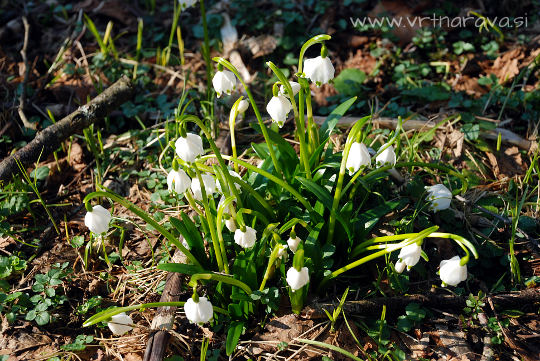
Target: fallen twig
x: 22, y: 97
x: 50, y: 138
x: 396, y: 305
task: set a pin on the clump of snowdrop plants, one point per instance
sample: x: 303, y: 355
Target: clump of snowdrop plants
x: 295, y: 222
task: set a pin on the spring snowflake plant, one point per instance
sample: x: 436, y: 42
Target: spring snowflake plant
x: 311, y: 206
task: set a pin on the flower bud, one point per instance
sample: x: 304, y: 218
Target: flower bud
x: 439, y: 196
x: 245, y: 239
x: 120, y: 324
x: 189, y: 148
x: 319, y: 70
x: 243, y: 106
x: 452, y: 272
x: 358, y: 157
x: 279, y: 107
x: 199, y: 312
x: 98, y: 220
x: 297, y: 279
x: 178, y: 181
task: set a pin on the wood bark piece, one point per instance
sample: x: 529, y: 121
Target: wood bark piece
x: 164, y: 318
x: 49, y: 139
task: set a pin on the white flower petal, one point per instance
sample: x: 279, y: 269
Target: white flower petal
x: 451, y: 272
x: 120, y: 324
x: 98, y: 220
x: 319, y: 70
x: 200, y: 312
x: 190, y: 147
x: 296, y: 279
x: 279, y: 108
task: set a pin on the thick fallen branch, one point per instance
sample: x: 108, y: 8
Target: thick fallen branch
x: 164, y: 318
x: 396, y: 305
x: 415, y: 124
x: 48, y: 140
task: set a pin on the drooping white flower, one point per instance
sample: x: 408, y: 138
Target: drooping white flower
x: 230, y: 224
x: 387, y: 157
x: 120, y: 324
x: 224, y: 82
x: 199, y: 312
x: 229, y: 34
x: 358, y: 157
x: 319, y: 70
x: 452, y: 272
x: 408, y: 256
x: 184, y: 4
x: 245, y: 239
x: 297, y: 279
x: 295, y: 88
x: 233, y: 174
x: 98, y: 220
x: 209, y: 186
x: 282, y: 252
x: 439, y: 196
x: 190, y: 147
x: 243, y: 106
x: 293, y: 243
x: 178, y: 181
x: 279, y: 108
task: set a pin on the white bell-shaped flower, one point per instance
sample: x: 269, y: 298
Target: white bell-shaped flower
x: 184, y: 4
x: 297, y: 279
x: 279, y: 107
x: 282, y: 252
x: 245, y: 239
x: 293, y: 243
x: 452, y: 272
x: 358, y: 157
x: 224, y: 82
x: 190, y: 147
x: 120, y: 324
x: 233, y: 174
x: 209, y: 186
x: 319, y: 70
x: 439, y: 197
x: 230, y: 224
x: 295, y: 89
x: 387, y: 157
x: 243, y: 106
x: 408, y: 256
x: 199, y: 312
x: 98, y: 220
x: 178, y: 181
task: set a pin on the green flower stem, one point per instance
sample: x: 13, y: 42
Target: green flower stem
x: 388, y: 249
x: 232, y: 123
x: 255, y: 213
x: 458, y: 239
x: 210, y: 220
x: 219, y: 222
x: 312, y: 128
x: 206, y: 49
x: 244, y: 185
x: 274, y: 179
x: 221, y: 278
x: 107, y: 314
x: 292, y: 222
x: 314, y: 40
x: 271, y: 261
x: 299, y: 123
x: 192, y: 202
x: 228, y: 177
x: 355, y: 132
x: 264, y: 130
x: 145, y: 217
